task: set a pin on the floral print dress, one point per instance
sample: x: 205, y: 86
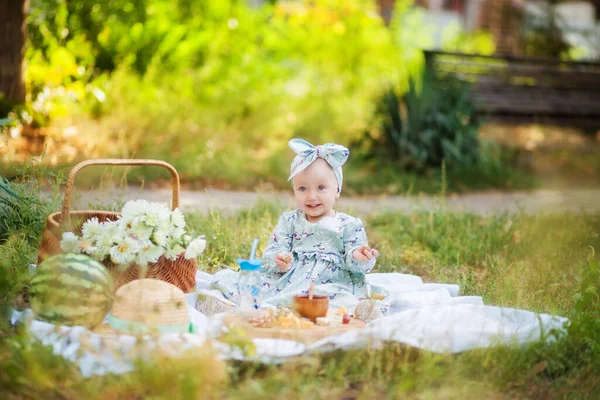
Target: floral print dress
x: 322, y: 254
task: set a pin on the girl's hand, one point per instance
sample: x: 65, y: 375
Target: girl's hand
x: 283, y: 261
x: 364, y: 253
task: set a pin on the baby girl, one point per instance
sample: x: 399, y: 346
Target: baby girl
x: 313, y: 243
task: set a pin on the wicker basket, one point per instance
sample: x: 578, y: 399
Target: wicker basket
x: 181, y: 272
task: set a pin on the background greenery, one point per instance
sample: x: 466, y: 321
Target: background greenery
x: 218, y: 88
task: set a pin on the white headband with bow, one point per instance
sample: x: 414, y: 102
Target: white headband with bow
x: 335, y: 155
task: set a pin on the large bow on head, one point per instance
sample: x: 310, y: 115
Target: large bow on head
x: 335, y: 155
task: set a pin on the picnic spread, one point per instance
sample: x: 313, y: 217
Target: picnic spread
x: 432, y: 319
x: 111, y: 288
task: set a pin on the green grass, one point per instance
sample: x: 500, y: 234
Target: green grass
x: 544, y: 263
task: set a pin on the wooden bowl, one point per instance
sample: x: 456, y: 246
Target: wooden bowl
x: 311, y: 309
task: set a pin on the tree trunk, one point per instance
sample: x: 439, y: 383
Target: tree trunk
x: 13, y: 33
x: 386, y: 10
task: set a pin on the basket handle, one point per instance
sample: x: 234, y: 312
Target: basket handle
x: 65, y: 214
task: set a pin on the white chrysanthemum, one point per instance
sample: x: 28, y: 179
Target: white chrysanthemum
x: 160, y: 237
x: 104, y: 243
x: 99, y: 253
x: 142, y: 211
x: 126, y: 223
x: 112, y: 228
x: 133, y: 212
x: 164, y: 217
x: 195, y: 248
x: 69, y: 242
x: 91, y: 229
x: 177, y: 218
x: 173, y: 252
x: 128, y: 208
x: 159, y: 212
x: 142, y: 234
x: 177, y: 234
x: 151, y: 220
x: 124, y: 251
x: 109, y: 235
x: 164, y: 224
x: 86, y: 246
x: 148, y: 254
x: 141, y: 231
x: 92, y: 251
x: 134, y: 208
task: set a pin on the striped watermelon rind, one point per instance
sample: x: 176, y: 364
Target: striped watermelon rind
x: 71, y: 289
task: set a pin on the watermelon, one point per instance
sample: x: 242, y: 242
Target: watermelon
x: 71, y: 289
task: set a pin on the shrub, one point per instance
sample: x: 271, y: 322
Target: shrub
x: 428, y: 126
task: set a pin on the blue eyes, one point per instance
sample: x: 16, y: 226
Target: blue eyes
x: 303, y: 189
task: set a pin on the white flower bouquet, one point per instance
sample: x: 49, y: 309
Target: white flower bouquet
x: 144, y: 232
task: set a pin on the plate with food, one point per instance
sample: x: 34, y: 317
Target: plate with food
x: 284, y: 323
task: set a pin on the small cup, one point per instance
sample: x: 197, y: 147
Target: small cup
x: 311, y: 309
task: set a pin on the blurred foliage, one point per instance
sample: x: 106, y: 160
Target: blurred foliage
x: 456, y: 39
x: 203, y: 78
x: 216, y: 88
x: 22, y: 208
x: 23, y: 213
x: 542, y: 36
x: 212, y: 52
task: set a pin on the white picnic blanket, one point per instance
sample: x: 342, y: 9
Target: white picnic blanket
x: 427, y: 316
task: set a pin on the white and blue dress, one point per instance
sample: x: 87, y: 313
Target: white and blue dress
x: 322, y: 254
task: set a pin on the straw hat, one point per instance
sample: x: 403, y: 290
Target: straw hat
x: 147, y: 306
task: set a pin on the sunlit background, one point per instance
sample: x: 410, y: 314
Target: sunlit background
x: 217, y: 88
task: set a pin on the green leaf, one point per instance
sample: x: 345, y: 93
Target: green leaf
x: 6, y: 188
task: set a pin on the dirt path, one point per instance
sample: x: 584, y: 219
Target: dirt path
x: 587, y: 200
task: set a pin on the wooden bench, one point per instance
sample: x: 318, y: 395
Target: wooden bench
x: 520, y: 89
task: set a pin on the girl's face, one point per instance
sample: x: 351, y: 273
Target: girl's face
x: 316, y: 190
